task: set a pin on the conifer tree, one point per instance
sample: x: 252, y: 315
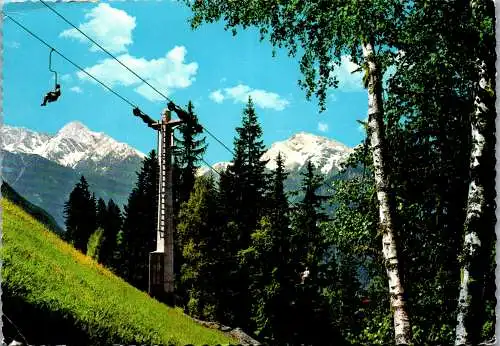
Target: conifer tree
x: 139, y: 225
x: 268, y: 260
x: 189, y: 152
x: 101, y: 213
x: 80, y: 214
x: 111, y: 227
x: 247, y: 173
x: 312, y: 322
x: 198, y: 242
x: 308, y: 214
x: 244, y: 188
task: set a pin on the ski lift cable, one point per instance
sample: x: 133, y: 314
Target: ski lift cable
x: 16, y: 327
x: 210, y: 166
x: 81, y: 69
x: 98, y: 81
x: 67, y: 59
x: 128, y: 68
x: 104, y: 49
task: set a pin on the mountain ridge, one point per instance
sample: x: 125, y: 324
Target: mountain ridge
x: 44, y: 167
x: 324, y: 153
x: 73, y: 143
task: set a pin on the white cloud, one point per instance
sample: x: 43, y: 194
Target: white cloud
x: 76, y: 89
x: 110, y: 27
x: 165, y: 74
x: 261, y: 98
x: 323, y: 127
x: 348, y: 81
x: 216, y: 96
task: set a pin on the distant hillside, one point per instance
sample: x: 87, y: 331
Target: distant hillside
x: 56, y: 295
x: 36, y: 212
x: 48, y: 184
x: 327, y: 156
x: 44, y: 168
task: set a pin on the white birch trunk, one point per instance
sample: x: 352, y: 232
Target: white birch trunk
x: 402, y: 327
x: 476, y: 203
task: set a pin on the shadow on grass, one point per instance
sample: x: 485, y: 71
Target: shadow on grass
x: 39, y: 325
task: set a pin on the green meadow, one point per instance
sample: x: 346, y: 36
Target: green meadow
x: 55, y: 294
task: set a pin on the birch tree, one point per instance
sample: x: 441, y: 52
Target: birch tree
x: 324, y: 31
x: 479, y: 222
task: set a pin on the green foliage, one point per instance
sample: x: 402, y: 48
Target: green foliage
x: 112, y: 226
x: 57, y: 295
x: 138, y: 238
x: 80, y: 213
x: 321, y: 31
x: 188, y: 154
x: 101, y: 213
x: 94, y: 244
x: 247, y: 173
x: 198, y: 245
x: 242, y: 203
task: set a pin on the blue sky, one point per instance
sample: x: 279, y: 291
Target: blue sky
x: 208, y: 66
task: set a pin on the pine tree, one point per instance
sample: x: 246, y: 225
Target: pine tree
x: 247, y: 174
x: 80, y: 214
x: 139, y: 225
x: 268, y: 261
x: 198, y: 245
x: 111, y: 228
x: 101, y: 213
x: 308, y: 214
x: 311, y: 311
x: 244, y: 188
x: 189, y: 152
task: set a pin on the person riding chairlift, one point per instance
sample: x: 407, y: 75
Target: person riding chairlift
x: 52, y: 96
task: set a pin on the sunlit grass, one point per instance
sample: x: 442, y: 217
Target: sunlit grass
x: 46, y: 271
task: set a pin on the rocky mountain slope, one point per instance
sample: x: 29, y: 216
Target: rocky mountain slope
x: 44, y: 168
x: 326, y: 154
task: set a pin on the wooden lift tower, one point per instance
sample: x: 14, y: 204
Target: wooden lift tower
x: 161, y: 261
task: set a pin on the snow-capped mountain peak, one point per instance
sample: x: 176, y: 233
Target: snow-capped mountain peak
x: 326, y: 154
x: 21, y: 140
x: 72, y: 129
x: 73, y: 144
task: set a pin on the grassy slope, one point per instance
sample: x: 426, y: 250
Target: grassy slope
x: 35, y: 211
x: 40, y: 270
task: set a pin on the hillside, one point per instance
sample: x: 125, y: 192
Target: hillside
x: 44, y: 168
x: 56, y: 295
x: 38, y: 213
x: 48, y: 184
